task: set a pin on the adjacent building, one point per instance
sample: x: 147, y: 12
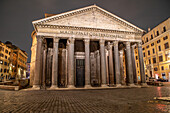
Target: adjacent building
x: 12, y: 61
x: 156, y: 51
x: 5, y: 53
x: 87, y: 47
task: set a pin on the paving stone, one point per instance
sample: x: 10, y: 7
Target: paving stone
x: 135, y: 100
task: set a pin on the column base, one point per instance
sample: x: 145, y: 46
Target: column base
x: 71, y: 86
x: 54, y: 87
x: 132, y: 85
x: 87, y: 86
x: 36, y: 87
x: 144, y: 85
x: 104, y: 85
x: 118, y: 85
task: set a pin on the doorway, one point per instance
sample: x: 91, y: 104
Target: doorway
x: 80, y: 72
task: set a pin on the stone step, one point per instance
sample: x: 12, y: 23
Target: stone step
x: 8, y: 87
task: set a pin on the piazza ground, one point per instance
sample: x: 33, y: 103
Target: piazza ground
x: 134, y: 100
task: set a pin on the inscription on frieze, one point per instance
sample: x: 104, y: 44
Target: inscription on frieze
x: 91, y: 34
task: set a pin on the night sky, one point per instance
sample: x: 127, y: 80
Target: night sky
x: 16, y: 16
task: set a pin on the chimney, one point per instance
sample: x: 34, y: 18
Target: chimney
x: 149, y: 29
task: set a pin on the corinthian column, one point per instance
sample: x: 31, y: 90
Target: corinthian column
x: 117, y: 63
x: 103, y: 63
x: 134, y: 63
x: 36, y: 84
x: 141, y: 63
x: 121, y: 67
x: 87, y: 63
x: 55, y: 64
x: 44, y: 65
x: 111, y: 71
x: 129, y: 65
x: 71, y: 63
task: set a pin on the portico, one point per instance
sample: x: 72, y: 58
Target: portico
x: 84, y: 48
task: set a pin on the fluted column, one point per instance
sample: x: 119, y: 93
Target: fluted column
x: 36, y: 84
x: 129, y: 69
x: 71, y: 63
x: 141, y: 63
x: 117, y: 63
x: 44, y: 65
x: 55, y: 64
x: 121, y: 68
x: 87, y: 63
x: 134, y: 64
x: 111, y: 71
x: 103, y: 63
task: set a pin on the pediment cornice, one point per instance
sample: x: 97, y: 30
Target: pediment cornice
x: 85, y: 9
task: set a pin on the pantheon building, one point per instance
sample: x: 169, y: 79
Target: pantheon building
x: 85, y: 48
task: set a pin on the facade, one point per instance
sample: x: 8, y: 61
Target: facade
x: 87, y: 47
x: 4, y: 62
x: 18, y: 61
x: 156, y: 51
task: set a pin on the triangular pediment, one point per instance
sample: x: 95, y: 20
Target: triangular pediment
x: 90, y: 17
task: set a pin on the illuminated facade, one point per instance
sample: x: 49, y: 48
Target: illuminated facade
x: 18, y: 62
x: 84, y: 48
x: 4, y: 62
x: 156, y: 51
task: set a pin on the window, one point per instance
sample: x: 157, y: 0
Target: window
x: 166, y: 57
x: 166, y: 45
x: 1, y: 55
x: 1, y: 48
x: 136, y: 57
x: 157, y: 33
x: 148, y: 52
x: 5, y: 63
x: 162, y: 68
x: 6, y: 51
x: 147, y: 39
x: 4, y: 70
x: 152, y: 44
x: 159, y: 47
x: 5, y: 57
x: 137, y: 64
x: 166, y: 37
x: 143, y: 54
x: 153, y: 50
x: 151, y: 37
x: 164, y: 29
x: 143, y: 48
x: 160, y: 58
x: 1, y: 70
x: 154, y: 60
x: 149, y: 61
x: 158, y: 41
x: 155, y: 69
x: 147, y: 46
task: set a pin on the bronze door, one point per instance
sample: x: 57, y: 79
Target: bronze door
x: 80, y: 73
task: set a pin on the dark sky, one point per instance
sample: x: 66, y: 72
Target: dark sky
x: 16, y: 16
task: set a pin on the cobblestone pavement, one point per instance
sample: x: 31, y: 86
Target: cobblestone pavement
x: 135, y: 100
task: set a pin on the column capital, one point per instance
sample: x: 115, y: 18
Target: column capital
x: 102, y: 41
x: 86, y: 40
x: 133, y: 46
x: 56, y: 39
x: 115, y: 43
x: 127, y: 43
x: 71, y: 40
x: 39, y: 38
x: 110, y: 46
x: 139, y: 44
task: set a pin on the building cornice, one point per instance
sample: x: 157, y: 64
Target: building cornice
x: 85, y: 29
